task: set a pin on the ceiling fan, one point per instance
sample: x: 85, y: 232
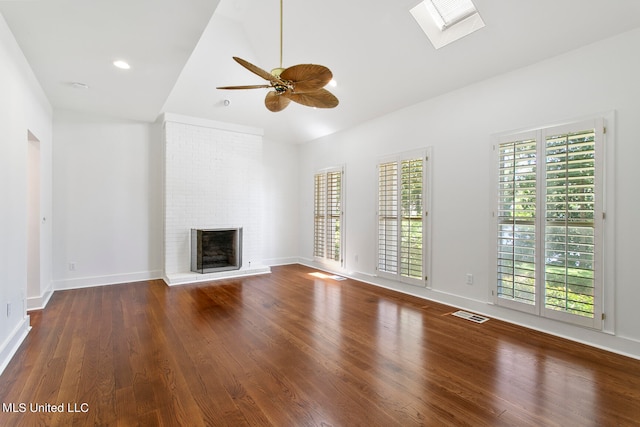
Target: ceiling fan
x: 303, y: 83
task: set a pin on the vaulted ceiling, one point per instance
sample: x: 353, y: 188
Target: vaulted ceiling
x: 180, y: 51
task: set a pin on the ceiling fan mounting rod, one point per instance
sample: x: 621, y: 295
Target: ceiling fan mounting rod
x: 281, y: 1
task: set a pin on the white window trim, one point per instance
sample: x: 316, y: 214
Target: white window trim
x: 426, y: 155
x: 604, y: 314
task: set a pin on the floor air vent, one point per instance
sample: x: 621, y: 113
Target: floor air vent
x: 470, y: 316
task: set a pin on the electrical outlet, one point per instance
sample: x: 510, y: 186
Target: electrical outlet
x: 469, y: 280
x: 72, y: 266
x: 8, y: 309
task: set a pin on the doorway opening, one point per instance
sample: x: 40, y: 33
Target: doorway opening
x: 33, y: 215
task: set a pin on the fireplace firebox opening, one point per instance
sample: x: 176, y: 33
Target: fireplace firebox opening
x: 214, y: 250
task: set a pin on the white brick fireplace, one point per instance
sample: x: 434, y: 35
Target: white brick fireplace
x: 212, y: 179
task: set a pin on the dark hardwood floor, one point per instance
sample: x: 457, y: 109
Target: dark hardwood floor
x: 292, y: 349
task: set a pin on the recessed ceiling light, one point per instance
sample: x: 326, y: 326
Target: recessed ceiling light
x: 122, y: 64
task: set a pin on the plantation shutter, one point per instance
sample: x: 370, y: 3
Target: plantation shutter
x: 570, y: 223
x: 388, y: 217
x: 401, y: 218
x: 516, y: 221
x: 411, y: 217
x: 334, y: 214
x: 327, y: 236
x: 319, y: 214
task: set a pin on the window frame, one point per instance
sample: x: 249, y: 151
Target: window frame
x: 425, y: 156
x: 603, y: 249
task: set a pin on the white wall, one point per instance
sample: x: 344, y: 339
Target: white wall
x: 108, y: 200
x: 23, y: 109
x: 280, y: 197
x: 458, y: 126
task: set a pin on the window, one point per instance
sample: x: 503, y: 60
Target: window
x: 549, y: 222
x: 402, y: 218
x: 327, y: 211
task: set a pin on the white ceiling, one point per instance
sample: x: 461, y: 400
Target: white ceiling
x: 181, y: 50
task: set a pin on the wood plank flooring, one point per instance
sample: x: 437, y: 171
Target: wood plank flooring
x: 293, y: 349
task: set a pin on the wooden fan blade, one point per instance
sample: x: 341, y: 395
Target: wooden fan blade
x: 256, y: 70
x: 276, y: 102
x: 321, y: 98
x: 244, y: 87
x: 307, y: 77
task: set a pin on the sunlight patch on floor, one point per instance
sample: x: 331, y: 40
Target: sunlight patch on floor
x: 327, y: 276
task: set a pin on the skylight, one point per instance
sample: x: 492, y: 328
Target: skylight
x: 449, y: 12
x: 445, y: 21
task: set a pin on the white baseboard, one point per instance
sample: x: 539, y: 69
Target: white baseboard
x: 12, y: 343
x: 114, y: 279
x: 272, y: 262
x: 39, y: 303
